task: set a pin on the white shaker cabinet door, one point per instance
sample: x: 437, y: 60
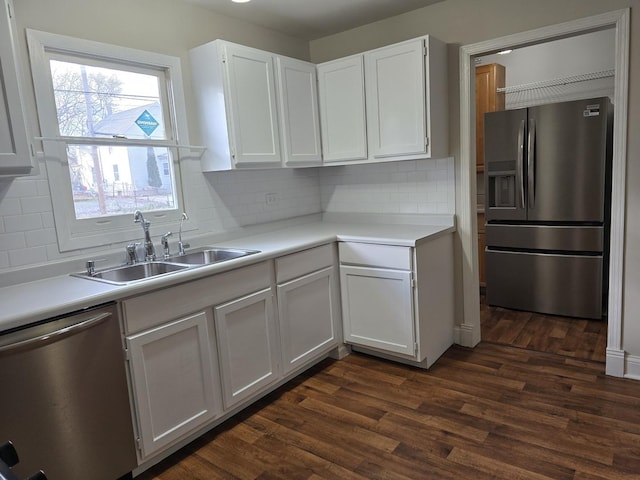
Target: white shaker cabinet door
x: 245, y: 332
x: 252, y: 106
x: 307, y: 320
x: 342, y: 109
x: 377, y: 308
x: 300, y: 121
x: 173, y: 386
x: 395, y: 90
x: 15, y: 155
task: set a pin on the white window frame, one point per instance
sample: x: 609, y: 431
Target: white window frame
x: 72, y: 233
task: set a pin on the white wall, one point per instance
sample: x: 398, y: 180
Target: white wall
x: 554, y: 61
x: 462, y: 22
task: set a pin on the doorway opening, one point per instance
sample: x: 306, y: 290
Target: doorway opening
x: 578, y: 69
x: 469, y: 331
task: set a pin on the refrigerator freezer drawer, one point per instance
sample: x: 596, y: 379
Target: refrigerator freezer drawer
x: 546, y: 237
x: 568, y: 285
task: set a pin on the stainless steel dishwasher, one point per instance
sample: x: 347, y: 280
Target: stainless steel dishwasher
x: 64, y: 401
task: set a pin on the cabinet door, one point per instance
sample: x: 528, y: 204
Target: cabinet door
x: 305, y: 307
x: 172, y: 375
x: 342, y: 110
x: 245, y: 332
x: 377, y: 308
x: 395, y: 92
x: 252, y: 107
x: 15, y: 156
x: 300, y: 122
x: 488, y: 79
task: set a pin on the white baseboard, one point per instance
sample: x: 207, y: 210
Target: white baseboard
x: 631, y: 367
x: 615, y: 362
x: 466, y: 335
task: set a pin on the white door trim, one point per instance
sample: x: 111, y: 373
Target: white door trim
x: 468, y: 333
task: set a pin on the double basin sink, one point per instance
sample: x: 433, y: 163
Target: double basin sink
x: 126, y: 274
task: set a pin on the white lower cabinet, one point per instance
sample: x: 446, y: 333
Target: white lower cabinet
x: 171, y: 368
x: 397, y: 301
x: 308, y: 305
x: 247, y: 346
x: 201, y: 350
x: 377, y: 308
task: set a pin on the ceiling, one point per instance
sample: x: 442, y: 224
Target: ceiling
x: 311, y: 19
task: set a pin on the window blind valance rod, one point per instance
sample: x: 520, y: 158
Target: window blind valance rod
x: 117, y: 141
x: 556, y: 82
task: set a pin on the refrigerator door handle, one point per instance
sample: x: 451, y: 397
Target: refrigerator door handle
x: 531, y: 145
x: 520, y: 163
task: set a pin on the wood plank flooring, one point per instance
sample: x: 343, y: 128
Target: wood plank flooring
x: 572, y: 337
x: 494, y: 412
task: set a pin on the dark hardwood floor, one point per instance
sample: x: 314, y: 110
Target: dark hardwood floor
x: 572, y: 337
x: 494, y: 412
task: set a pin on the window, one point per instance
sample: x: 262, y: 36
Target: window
x: 110, y: 119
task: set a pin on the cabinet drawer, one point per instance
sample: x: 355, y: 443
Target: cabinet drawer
x: 158, y: 307
x: 384, y: 256
x: 302, y: 263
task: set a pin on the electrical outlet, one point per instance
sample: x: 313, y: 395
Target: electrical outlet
x: 271, y: 199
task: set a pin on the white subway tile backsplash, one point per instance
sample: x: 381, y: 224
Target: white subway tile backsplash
x: 10, y: 206
x: 21, y: 188
x: 22, y: 223
x: 38, y: 238
x: 12, y: 241
x: 47, y: 220
x: 42, y: 188
x: 414, y: 186
x: 27, y: 256
x: 36, y: 204
x: 221, y: 201
x: 4, y: 260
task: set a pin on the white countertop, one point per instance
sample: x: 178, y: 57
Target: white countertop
x: 34, y: 301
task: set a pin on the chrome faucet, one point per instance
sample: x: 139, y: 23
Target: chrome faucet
x: 149, y: 250
x: 132, y: 253
x: 165, y: 244
x: 182, y: 246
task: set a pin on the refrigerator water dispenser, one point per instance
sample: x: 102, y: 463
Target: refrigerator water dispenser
x: 501, y: 191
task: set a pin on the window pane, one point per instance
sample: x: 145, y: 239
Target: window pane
x: 120, y: 180
x: 105, y: 102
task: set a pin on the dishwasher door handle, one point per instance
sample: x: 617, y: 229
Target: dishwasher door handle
x: 56, y: 335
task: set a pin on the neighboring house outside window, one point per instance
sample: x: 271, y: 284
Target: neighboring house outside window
x: 109, y: 117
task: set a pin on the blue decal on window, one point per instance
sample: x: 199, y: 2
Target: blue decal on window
x: 147, y: 123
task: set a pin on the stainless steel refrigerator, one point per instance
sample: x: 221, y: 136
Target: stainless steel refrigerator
x: 547, y: 196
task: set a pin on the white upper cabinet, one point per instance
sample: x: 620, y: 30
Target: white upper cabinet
x: 298, y: 102
x: 396, y: 100
x: 237, y: 108
x: 252, y: 107
x: 342, y: 109
x: 405, y: 100
x: 255, y: 109
x: 15, y: 154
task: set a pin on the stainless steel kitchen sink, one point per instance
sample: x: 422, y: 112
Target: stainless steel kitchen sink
x: 126, y: 274
x: 209, y: 255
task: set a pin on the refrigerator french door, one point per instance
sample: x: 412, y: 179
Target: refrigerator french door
x: 547, y: 190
